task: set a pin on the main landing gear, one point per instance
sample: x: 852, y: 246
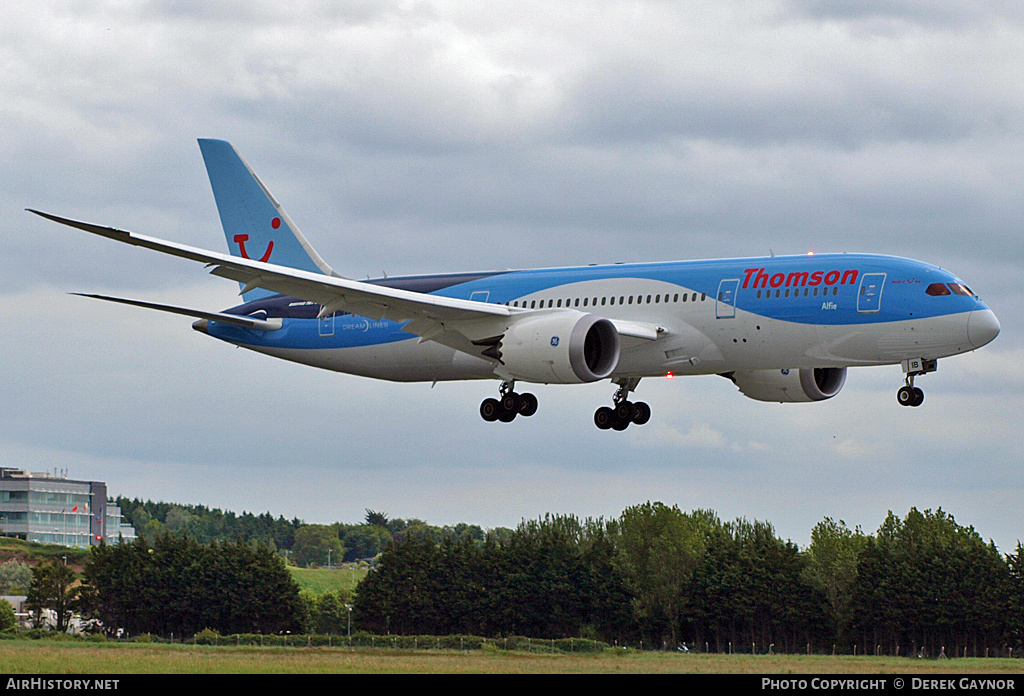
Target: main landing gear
x: 619, y: 417
x: 509, y: 405
x: 624, y: 411
x: 909, y: 395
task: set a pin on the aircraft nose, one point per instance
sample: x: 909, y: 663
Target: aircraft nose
x: 982, y: 327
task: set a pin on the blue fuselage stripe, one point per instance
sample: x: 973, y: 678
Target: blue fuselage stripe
x: 823, y: 290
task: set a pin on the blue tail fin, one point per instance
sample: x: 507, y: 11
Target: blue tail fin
x: 255, y: 225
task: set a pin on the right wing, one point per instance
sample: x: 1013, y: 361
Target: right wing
x: 465, y: 325
x: 426, y: 313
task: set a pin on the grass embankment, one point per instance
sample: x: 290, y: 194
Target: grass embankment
x: 32, y: 553
x: 316, y: 580
x: 75, y: 657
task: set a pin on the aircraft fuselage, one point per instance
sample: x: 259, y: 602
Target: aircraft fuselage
x: 716, y: 316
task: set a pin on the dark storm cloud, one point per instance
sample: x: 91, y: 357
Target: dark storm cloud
x: 840, y: 112
x: 939, y: 13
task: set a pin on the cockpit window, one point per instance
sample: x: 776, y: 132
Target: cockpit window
x: 960, y: 289
x: 937, y: 289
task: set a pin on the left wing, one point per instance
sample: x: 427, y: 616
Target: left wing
x: 246, y: 322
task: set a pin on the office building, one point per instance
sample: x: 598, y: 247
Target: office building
x: 52, y: 509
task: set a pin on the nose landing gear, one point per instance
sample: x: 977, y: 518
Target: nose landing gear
x: 909, y: 395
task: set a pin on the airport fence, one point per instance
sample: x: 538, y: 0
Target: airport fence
x: 395, y: 642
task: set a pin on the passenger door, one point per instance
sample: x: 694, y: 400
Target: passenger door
x: 869, y: 295
x: 725, y: 302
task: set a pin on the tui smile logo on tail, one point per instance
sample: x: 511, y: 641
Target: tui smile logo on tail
x: 241, y: 239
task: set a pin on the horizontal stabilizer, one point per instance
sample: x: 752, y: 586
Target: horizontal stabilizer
x: 235, y: 319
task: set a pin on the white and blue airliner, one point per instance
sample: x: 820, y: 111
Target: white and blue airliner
x: 782, y: 328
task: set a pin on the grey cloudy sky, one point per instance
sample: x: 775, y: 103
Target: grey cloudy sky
x: 408, y: 137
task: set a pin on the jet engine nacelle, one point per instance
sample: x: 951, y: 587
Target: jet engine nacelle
x: 565, y: 347
x: 807, y: 384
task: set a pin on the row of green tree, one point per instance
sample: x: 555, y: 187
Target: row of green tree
x: 655, y: 575
x: 659, y: 576
x: 303, y: 544
x: 177, y: 587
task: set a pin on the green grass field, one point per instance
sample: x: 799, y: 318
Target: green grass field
x: 74, y: 657
x: 320, y: 580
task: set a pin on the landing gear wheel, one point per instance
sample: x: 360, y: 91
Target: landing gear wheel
x: 489, y: 410
x: 506, y: 415
x: 905, y: 396
x: 624, y: 412
x: 604, y: 417
x: 527, y: 405
x: 910, y: 396
x: 510, y: 403
x: 641, y: 412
